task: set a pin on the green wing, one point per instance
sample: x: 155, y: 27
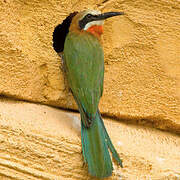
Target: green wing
x: 84, y: 64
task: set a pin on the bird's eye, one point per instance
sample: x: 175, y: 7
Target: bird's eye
x: 89, y: 16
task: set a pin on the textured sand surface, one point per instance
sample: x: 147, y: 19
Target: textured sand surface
x: 142, y: 86
x: 142, y: 50
x: 41, y: 142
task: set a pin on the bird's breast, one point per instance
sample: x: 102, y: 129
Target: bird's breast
x: 96, y: 30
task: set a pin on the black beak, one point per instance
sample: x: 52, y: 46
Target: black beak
x: 107, y: 15
x: 90, y: 17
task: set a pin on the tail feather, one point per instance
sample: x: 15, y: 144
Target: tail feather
x: 110, y: 145
x: 95, y: 144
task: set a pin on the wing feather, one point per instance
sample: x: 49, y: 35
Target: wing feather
x: 84, y: 64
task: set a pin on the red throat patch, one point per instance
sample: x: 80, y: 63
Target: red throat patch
x: 95, y: 30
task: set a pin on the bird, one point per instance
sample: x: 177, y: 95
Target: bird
x: 77, y: 40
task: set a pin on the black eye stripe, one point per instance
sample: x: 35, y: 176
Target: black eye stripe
x: 89, y: 16
x: 86, y: 19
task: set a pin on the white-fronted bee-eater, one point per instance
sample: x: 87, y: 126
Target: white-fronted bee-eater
x: 77, y: 41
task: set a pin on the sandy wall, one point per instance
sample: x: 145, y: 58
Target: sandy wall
x: 141, y: 56
x: 142, y: 85
x: 41, y: 142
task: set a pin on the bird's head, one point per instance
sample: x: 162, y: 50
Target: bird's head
x: 91, y: 21
x: 85, y: 21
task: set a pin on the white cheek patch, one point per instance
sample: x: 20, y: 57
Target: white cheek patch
x: 98, y: 23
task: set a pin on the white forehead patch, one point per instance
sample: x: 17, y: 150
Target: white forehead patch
x: 93, y: 12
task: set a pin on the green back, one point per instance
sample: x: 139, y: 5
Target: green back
x: 84, y: 65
